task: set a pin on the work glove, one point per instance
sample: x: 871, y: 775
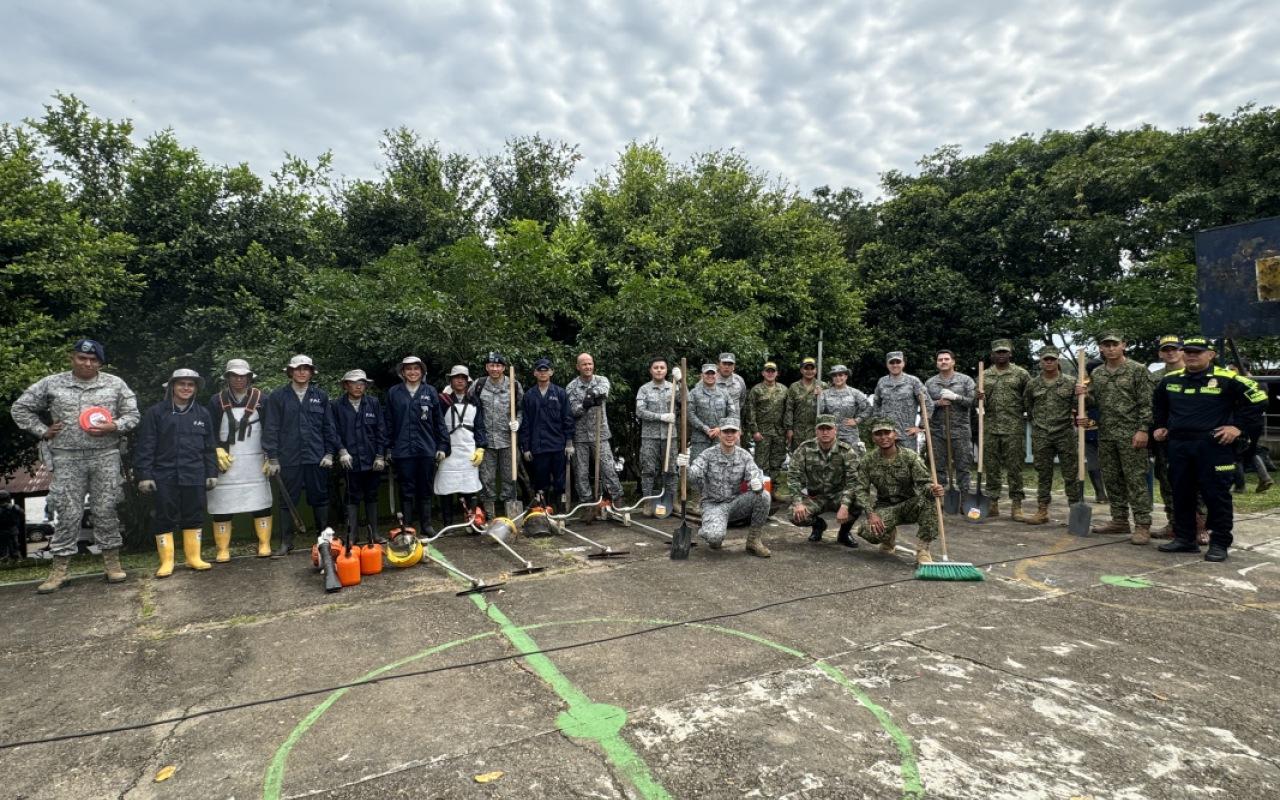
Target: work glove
x: 224, y: 460
x: 588, y: 401
x: 440, y: 456
x: 947, y: 394
x: 146, y: 487
x: 513, y: 425
x: 682, y: 460
x: 667, y: 417
x: 378, y: 464
x: 755, y: 485
x: 388, y: 455
x: 477, y: 457
x: 528, y: 456
x: 271, y: 468
x: 568, y: 449
x: 676, y: 375
x: 210, y: 484
x: 327, y: 461
x: 344, y: 458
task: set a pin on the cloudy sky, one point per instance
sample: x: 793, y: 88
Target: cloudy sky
x: 813, y: 92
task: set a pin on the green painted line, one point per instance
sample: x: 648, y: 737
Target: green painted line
x: 1126, y: 582
x: 911, y: 787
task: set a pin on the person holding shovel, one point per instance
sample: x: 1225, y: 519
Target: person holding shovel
x: 1005, y: 430
x: 952, y: 395
x: 657, y: 410
x: 1050, y: 402
x: 904, y: 493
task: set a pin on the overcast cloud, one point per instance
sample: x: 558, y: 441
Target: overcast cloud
x: 813, y: 92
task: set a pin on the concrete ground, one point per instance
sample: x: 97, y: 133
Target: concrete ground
x: 1081, y: 668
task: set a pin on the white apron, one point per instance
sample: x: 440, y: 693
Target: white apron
x: 455, y: 475
x: 243, y: 487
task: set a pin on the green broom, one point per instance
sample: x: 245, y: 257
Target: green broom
x: 948, y: 570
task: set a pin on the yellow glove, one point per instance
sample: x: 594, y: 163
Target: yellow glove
x: 224, y: 459
x: 477, y: 457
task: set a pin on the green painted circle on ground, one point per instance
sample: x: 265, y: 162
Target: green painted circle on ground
x: 595, y: 721
x: 1126, y: 582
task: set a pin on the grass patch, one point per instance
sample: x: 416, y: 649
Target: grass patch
x: 336, y: 607
x: 148, y: 599
x: 245, y: 620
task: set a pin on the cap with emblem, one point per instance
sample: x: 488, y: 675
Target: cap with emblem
x: 998, y: 345
x: 90, y: 346
x: 727, y: 358
x: 355, y: 375
x: 1169, y: 340
x: 877, y: 424
x: 458, y: 369
x: 769, y: 365
x: 894, y: 355
x: 708, y: 368
x: 1111, y: 336
x: 299, y: 361
x: 542, y: 363
x: 496, y: 358
x: 1049, y: 351
x: 825, y: 421
x: 730, y: 424
x: 1196, y: 344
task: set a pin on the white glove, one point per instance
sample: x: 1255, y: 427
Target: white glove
x: 146, y: 487
x: 440, y: 456
x: 682, y: 460
x: 568, y: 449
x: 755, y: 484
x: 666, y: 416
x: 676, y: 375
x: 327, y: 461
x: 210, y: 484
x: 271, y: 468
x: 513, y: 425
x: 344, y: 458
x: 947, y: 394
x: 379, y: 464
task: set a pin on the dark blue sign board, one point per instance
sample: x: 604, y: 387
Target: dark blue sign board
x: 1238, y: 279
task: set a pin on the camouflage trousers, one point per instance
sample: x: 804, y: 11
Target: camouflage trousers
x: 1124, y: 471
x: 717, y: 516
x: 770, y: 452
x: 583, y: 474
x: 820, y: 505
x: 920, y: 510
x: 961, y: 453
x: 1044, y: 448
x: 1005, y: 453
x: 652, y: 454
x: 75, y: 474
x: 489, y: 475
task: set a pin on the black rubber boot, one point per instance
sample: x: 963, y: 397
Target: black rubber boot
x: 1240, y: 485
x: 353, y: 523
x: 446, y: 510
x: 321, y: 517
x: 371, y: 511
x: 843, y: 537
x: 1099, y: 491
x: 286, y: 537
x: 406, y: 510
x: 424, y: 515
x: 819, y: 525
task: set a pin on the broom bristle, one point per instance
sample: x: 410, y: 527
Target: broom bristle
x: 949, y: 571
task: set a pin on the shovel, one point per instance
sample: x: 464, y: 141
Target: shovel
x: 1081, y: 512
x: 951, y: 500
x: 978, y: 504
x: 683, y: 537
x: 662, y: 508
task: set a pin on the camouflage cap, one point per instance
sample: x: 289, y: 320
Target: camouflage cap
x: 1169, y: 340
x: 1196, y: 344
x: 730, y: 424
x: 1001, y: 344
x: 826, y: 421
x: 727, y: 358
x: 1111, y: 336
x: 839, y: 369
x: 1049, y: 351
x: 877, y: 424
x: 708, y: 368
x: 893, y: 355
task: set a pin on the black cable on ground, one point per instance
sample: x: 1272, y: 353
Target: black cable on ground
x: 514, y: 656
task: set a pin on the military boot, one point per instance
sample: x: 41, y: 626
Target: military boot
x: 164, y: 546
x: 922, y: 553
x: 57, y: 576
x: 889, y: 545
x: 843, y: 537
x: 489, y: 511
x: 819, y: 525
x: 1141, y: 535
x: 1163, y: 533
x: 755, y: 543
x: 1116, y: 527
x: 1016, y: 513
x: 995, y: 507
x: 262, y: 527
x: 286, y: 537
x: 222, y: 540
x: 191, y: 549
x: 111, y: 564
x: 1041, y: 515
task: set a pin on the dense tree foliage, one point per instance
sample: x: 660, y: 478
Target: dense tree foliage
x: 174, y: 261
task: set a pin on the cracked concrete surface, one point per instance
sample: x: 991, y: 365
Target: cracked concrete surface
x: 1043, y: 682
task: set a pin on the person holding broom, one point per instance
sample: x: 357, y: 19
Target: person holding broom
x: 905, y: 492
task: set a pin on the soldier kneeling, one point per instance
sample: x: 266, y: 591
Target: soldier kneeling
x: 904, y: 492
x: 823, y: 477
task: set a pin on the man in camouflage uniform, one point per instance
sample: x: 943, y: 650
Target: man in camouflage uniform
x: 898, y: 398
x: 708, y: 404
x: 824, y: 477
x: 722, y: 471
x: 1121, y: 390
x: 951, y: 390
x: 587, y: 396
x: 766, y: 407
x: 905, y: 492
x: 730, y: 381
x: 494, y: 392
x: 1005, y: 429
x: 656, y: 406
x: 1050, y: 402
x: 83, y: 461
x: 1171, y: 354
x: 802, y: 403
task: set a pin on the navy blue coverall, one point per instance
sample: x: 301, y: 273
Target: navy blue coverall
x: 299, y: 434
x: 416, y: 432
x: 546, y: 428
x: 178, y: 450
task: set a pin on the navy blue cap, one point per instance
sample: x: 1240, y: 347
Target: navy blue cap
x: 496, y: 358
x: 542, y: 363
x: 90, y: 346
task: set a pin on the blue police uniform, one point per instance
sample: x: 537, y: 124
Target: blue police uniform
x: 546, y: 428
x: 416, y: 432
x: 178, y: 451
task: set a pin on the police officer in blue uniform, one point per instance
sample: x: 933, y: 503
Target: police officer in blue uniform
x: 418, y: 438
x: 362, y: 440
x: 299, y: 439
x: 1201, y: 411
x: 546, y: 433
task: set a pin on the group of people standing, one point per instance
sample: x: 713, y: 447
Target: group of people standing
x: 457, y: 444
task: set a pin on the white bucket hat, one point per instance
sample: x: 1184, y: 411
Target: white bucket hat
x: 300, y: 361
x: 238, y: 366
x: 185, y: 373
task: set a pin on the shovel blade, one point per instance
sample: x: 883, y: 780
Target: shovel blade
x: 977, y: 508
x: 1080, y: 520
x: 680, y: 543
x: 663, y: 505
x: 951, y: 501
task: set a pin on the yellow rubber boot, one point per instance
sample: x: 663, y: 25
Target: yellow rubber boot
x: 222, y: 539
x: 191, y: 549
x: 262, y: 527
x: 164, y: 543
